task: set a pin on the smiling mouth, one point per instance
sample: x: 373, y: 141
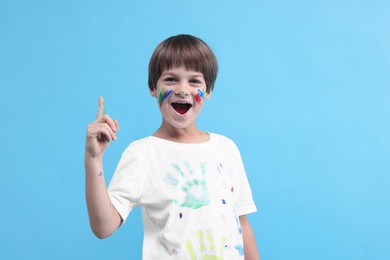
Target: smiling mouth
x: 181, y: 108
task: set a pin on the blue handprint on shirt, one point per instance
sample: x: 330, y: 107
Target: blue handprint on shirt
x: 193, y: 186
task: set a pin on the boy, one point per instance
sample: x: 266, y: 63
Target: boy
x: 191, y: 185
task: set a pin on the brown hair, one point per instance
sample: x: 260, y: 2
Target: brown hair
x: 183, y: 50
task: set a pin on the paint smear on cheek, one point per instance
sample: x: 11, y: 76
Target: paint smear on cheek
x: 199, y: 96
x: 163, y: 95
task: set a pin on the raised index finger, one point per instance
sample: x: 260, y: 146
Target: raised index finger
x: 100, y: 111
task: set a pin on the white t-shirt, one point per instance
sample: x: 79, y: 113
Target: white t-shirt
x: 191, y: 196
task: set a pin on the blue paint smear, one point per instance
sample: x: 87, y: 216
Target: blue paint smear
x: 240, y: 249
x: 166, y: 95
x: 170, y: 179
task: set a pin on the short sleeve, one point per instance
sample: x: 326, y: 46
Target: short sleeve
x: 126, y: 184
x: 245, y: 203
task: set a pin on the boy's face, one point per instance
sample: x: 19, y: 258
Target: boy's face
x: 180, y: 94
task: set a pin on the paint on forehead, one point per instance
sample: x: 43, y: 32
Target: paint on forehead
x: 199, y: 96
x: 163, y: 95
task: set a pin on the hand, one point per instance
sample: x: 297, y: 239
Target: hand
x: 100, y: 132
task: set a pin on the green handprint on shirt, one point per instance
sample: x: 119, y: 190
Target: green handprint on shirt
x: 204, y: 253
x: 195, y: 192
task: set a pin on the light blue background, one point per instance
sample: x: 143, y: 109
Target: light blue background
x: 303, y: 89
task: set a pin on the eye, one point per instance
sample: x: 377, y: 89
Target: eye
x: 195, y: 81
x: 170, y: 79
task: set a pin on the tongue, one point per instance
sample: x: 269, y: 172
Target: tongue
x: 181, y: 108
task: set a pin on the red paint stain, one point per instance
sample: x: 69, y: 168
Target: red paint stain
x: 198, y: 98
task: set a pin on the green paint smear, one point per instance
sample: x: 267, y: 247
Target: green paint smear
x: 195, y: 203
x: 170, y: 179
x: 210, y: 238
x: 201, y: 240
x: 203, y: 168
x: 178, y: 169
x: 188, y: 167
x: 223, y: 243
x: 190, y: 200
x: 212, y: 257
x: 203, y: 248
x: 160, y: 97
x: 190, y: 249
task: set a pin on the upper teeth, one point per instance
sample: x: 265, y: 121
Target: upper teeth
x: 181, y: 102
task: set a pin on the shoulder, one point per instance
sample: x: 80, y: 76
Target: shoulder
x: 223, y: 139
x: 139, y: 146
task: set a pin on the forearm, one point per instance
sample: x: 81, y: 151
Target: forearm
x: 103, y: 217
x: 250, y: 248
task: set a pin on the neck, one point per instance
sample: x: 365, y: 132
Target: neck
x: 189, y: 134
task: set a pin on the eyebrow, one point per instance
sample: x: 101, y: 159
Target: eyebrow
x: 169, y: 73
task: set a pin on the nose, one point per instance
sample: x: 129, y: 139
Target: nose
x: 181, y: 89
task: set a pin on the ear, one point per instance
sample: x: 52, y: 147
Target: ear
x: 153, y: 92
x: 207, y: 95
